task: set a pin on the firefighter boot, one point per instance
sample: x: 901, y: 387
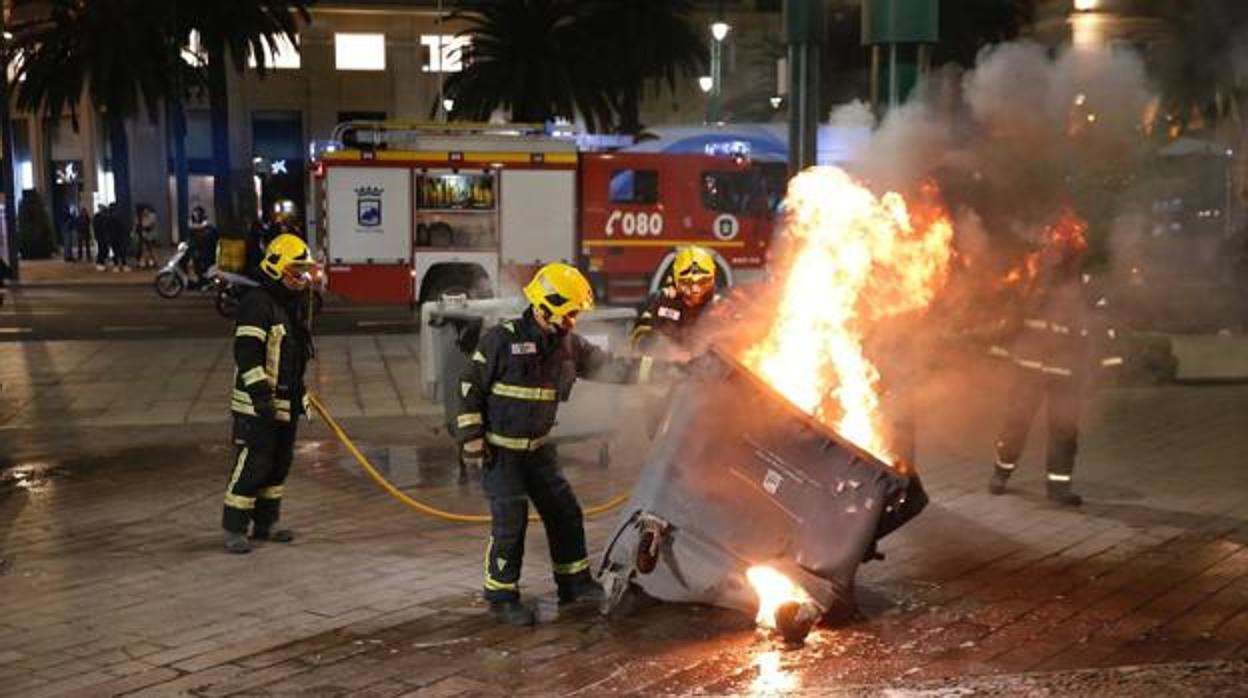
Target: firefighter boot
x: 236, y: 543
x: 580, y: 587
x: 1000, y: 476
x: 512, y: 612
x: 274, y: 534
x: 1060, y: 493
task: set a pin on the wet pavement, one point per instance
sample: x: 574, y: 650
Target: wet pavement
x: 115, y: 583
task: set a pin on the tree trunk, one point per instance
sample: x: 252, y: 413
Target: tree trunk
x: 119, y: 143
x: 176, y: 116
x: 218, y: 99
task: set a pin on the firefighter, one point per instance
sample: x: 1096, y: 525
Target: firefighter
x: 1053, y: 350
x: 674, y: 311
x: 272, y: 345
x: 510, y: 392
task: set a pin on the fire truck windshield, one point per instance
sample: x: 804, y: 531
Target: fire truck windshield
x: 756, y: 191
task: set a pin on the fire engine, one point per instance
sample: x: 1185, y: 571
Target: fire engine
x: 412, y: 213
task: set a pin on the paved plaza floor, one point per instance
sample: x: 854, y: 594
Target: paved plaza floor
x: 114, y: 455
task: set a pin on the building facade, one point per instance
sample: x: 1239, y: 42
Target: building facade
x: 356, y: 60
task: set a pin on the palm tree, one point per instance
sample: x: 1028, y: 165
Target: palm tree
x: 967, y: 26
x: 231, y: 32
x: 638, y: 43
x: 542, y: 59
x: 114, y: 51
x: 527, y: 56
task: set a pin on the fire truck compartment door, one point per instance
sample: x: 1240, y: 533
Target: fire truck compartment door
x: 370, y: 214
x: 538, y: 216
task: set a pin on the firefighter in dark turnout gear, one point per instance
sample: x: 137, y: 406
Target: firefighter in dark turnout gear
x: 674, y: 311
x: 1057, y: 340
x: 510, y: 393
x: 272, y: 345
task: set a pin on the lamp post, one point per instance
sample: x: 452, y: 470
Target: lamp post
x: 448, y: 105
x: 719, y: 31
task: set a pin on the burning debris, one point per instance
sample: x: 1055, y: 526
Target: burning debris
x: 747, y: 502
x: 770, y: 479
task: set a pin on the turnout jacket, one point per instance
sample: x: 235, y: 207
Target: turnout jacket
x: 271, y: 350
x: 668, y: 315
x: 518, y: 374
x: 1063, y: 332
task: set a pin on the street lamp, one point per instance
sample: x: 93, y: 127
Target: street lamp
x: 448, y: 105
x: 719, y: 32
x: 706, y: 82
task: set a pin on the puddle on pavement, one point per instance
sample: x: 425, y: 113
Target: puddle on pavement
x: 403, y: 466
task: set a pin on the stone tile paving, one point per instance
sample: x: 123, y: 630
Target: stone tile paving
x: 116, y: 586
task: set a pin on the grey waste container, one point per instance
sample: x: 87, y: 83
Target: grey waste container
x: 737, y: 476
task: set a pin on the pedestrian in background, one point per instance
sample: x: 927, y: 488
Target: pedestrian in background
x: 119, y: 239
x: 102, y: 229
x: 68, y: 230
x: 82, y: 233
x: 145, y: 233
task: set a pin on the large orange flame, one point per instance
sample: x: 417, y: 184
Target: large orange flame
x: 857, y: 259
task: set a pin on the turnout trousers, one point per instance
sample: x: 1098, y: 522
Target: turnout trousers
x: 263, y: 452
x: 510, y: 479
x: 1062, y: 402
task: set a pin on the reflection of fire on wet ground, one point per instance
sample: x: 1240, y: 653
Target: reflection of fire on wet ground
x: 31, y: 477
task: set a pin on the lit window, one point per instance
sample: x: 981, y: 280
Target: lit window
x: 282, y: 54
x: 360, y: 51
x: 445, y: 53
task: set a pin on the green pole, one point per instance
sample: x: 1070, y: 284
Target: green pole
x: 805, y: 32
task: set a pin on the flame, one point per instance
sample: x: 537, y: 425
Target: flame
x: 773, y: 589
x: 1068, y: 235
x: 857, y: 259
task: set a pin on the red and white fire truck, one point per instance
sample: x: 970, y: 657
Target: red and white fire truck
x: 411, y: 213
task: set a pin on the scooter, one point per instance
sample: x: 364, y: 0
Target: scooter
x: 175, y: 276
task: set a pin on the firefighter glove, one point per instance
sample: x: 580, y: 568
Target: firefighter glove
x: 262, y: 402
x: 473, y: 453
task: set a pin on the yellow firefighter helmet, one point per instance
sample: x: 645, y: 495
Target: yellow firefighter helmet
x: 693, y: 272
x: 285, y: 253
x: 692, y: 264
x: 560, y: 292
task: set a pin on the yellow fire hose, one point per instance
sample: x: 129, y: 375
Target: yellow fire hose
x: 419, y: 506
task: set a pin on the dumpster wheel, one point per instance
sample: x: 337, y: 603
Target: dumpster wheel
x: 419, y: 506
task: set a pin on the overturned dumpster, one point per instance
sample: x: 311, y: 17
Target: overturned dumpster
x: 740, y: 486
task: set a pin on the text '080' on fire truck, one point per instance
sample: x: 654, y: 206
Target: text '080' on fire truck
x: 412, y: 213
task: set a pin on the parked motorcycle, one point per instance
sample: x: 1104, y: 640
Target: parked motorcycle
x: 175, y: 276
